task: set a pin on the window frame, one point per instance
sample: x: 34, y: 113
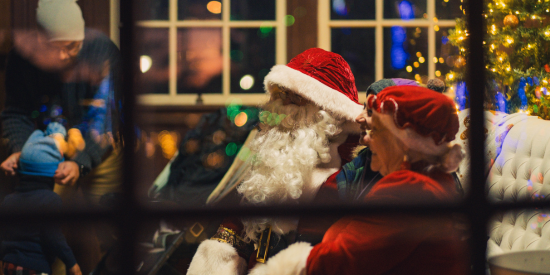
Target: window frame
x: 173, y: 24
x: 325, y: 24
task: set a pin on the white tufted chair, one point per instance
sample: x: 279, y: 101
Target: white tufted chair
x: 518, y: 167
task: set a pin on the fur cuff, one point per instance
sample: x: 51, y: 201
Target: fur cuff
x: 214, y: 258
x: 291, y: 261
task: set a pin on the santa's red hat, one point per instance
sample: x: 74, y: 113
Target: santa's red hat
x: 322, y: 77
x: 424, y: 120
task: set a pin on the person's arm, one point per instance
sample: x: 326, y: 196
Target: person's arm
x: 17, y: 124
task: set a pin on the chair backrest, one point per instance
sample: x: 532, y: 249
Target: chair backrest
x: 519, y: 171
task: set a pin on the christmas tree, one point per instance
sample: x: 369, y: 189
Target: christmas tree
x: 517, y: 47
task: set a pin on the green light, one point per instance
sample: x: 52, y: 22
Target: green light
x: 236, y: 55
x: 231, y: 149
x: 289, y: 20
x: 35, y: 114
x: 264, y: 28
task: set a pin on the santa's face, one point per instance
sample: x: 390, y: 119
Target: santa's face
x: 293, y: 140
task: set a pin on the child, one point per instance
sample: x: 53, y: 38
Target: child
x: 31, y: 249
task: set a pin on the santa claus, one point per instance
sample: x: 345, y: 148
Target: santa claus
x: 307, y: 132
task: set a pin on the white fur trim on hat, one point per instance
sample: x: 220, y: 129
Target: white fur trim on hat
x: 216, y: 258
x: 310, y: 88
x: 62, y: 19
x: 291, y: 261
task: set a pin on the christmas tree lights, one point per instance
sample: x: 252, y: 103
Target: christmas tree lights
x: 517, y: 47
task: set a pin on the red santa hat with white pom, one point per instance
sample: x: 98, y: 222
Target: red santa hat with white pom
x: 323, y: 78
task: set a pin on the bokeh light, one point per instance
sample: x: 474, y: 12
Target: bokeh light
x: 406, y: 10
x: 214, y: 160
x: 241, y: 119
x: 145, y: 63
x: 409, y: 69
x: 168, y: 142
x: 339, y: 6
x: 421, y: 59
x: 214, y: 7
x: 231, y: 149
x: 247, y: 82
x: 265, y: 28
x: 218, y: 137
x: 289, y: 20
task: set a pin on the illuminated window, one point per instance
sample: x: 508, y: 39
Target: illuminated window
x: 387, y: 39
x: 218, y: 49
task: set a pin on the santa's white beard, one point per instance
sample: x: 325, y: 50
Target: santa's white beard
x: 285, y: 156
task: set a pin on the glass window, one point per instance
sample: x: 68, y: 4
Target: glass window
x: 351, y: 10
x: 200, y: 61
x: 152, y: 10
x: 406, y: 53
x: 199, y: 10
x: 252, y: 56
x: 253, y: 10
x: 356, y: 46
x: 405, y: 9
x: 153, y: 61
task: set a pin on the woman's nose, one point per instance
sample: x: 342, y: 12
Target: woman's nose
x: 360, y: 119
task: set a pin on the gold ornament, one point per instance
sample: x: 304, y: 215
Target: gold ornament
x: 460, y: 61
x: 511, y: 20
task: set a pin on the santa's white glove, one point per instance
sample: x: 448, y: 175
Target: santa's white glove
x: 213, y: 258
x: 291, y: 261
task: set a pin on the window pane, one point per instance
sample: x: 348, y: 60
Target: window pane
x: 406, y: 53
x: 357, y: 47
x: 200, y: 61
x: 446, y: 55
x: 405, y: 9
x: 199, y: 9
x: 448, y: 9
x: 252, y: 56
x: 153, y: 52
x: 352, y: 9
x: 152, y: 10
x: 253, y: 10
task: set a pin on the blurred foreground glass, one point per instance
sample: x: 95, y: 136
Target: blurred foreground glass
x: 53, y: 248
x: 356, y: 46
x: 439, y: 243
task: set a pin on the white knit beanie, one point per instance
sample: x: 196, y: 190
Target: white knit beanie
x: 62, y: 19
